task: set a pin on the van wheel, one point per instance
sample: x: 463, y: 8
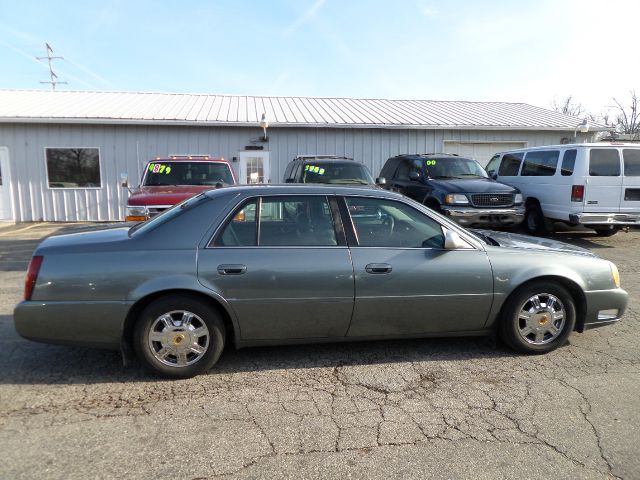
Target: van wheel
x: 538, y: 317
x: 606, y: 232
x: 179, y: 336
x: 534, y: 221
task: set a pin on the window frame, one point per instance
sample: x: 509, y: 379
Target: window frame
x: 46, y: 168
x: 352, y: 236
x: 338, y: 226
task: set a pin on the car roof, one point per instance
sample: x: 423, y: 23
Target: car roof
x: 305, y: 189
x: 576, y: 145
x: 321, y: 157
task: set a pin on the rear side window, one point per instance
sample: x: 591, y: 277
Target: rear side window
x: 568, y: 162
x: 389, y: 168
x: 540, y: 163
x: 510, y: 164
x: 631, y: 158
x: 403, y: 170
x: 604, y: 162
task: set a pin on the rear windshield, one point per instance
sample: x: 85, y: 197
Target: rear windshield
x: 631, y: 158
x: 187, y: 173
x: 604, y: 162
x: 167, y: 215
x: 330, y: 172
x: 453, y: 167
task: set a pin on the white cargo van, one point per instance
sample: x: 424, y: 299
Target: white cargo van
x: 592, y: 184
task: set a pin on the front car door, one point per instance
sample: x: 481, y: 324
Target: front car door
x: 284, y: 267
x: 406, y: 282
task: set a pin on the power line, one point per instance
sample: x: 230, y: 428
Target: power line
x: 52, y: 75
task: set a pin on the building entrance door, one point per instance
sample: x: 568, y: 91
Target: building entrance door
x: 6, y: 212
x: 254, y: 167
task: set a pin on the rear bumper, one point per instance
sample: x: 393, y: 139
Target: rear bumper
x: 95, y: 324
x: 604, y: 307
x: 596, y: 218
x: 495, y: 217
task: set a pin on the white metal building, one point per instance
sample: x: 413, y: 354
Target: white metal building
x: 119, y: 132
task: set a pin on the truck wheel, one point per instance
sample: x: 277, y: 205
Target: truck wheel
x: 606, y: 232
x: 538, y: 317
x: 179, y: 336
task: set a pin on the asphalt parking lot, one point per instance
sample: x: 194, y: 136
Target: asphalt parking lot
x: 440, y: 408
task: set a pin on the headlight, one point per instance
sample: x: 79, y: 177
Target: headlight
x: 456, y: 199
x: 615, y: 274
x: 136, y: 214
x: 518, y: 198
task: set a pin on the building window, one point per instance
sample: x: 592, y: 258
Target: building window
x: 73, y: 167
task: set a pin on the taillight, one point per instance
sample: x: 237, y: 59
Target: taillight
x: 32, y: 276
x: 577, y: 193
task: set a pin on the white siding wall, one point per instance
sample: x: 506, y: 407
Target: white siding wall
x: 127, y: 148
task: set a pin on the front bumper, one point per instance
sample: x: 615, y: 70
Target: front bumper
x: 604, y: 307
x: 94, y: 324
x: 494, y: 217
x: 620, y: 219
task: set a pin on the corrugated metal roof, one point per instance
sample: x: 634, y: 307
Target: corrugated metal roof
x: 202, y: 109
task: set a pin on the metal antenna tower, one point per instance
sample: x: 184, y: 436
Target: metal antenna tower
x: 54, y: 78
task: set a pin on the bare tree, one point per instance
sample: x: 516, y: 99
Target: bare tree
x: 568, y: 106
x: 628, y: 118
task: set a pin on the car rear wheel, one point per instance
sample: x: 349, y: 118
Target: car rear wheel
x: 179, y: 336
x: 538, y: 318
x: 534, y: 221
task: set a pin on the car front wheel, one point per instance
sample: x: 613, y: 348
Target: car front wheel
x: 538, y: 318
x: 179, y: 336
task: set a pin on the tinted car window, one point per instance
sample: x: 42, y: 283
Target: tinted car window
x: 568, y: 162
x: 540, y: 163
x: 631, y: 158
x: 385, y: 223
x: 604, y: 162
x: 336, y: 172
x: 389, y: 168
x: 241, y: 230
x: 493, y: 164
x: 296, y: 221
x: 510, y: 164
x: 403, y: 170
x: 163, y: 173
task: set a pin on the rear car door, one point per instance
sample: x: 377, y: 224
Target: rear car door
x: 630, y: 202
x: 283, y: 265
x: 603, y: 185
x: 406, y: 283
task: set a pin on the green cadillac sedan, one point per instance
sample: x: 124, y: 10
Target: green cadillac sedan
x: 267, y: 265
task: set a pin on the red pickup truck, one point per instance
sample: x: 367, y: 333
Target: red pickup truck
x: 170, y: 180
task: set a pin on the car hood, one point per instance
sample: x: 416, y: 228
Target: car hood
x: 473, y: 185
x: 167, y: 195
x: 525, y: 242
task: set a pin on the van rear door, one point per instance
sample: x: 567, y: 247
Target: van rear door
x: 631, y: 180
x: 603, y: 185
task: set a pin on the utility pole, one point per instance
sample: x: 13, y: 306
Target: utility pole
x: 54, y: 78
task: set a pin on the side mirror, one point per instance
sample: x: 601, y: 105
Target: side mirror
x: 414, y: 176
x: 124, y: 180
x: 219, y: 185
x: 452, y: 241
x: 493, y: 175
x: 381, y: 181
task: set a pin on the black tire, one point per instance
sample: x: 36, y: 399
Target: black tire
x: 511, y: 325
x: 433, y: 205
x: 203, y: 315
x: 606, y: 232
x: 534, y: 221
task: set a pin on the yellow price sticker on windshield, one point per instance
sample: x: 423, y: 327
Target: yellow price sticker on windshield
x: 159, y: 168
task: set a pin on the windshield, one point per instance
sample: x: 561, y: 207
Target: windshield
x: 454, y: 167
x: 330, y: 172
x: 187, y: 173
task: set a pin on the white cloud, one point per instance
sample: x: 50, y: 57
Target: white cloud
x: 306, y: 16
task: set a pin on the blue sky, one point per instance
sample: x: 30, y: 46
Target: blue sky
x: 531, y: 51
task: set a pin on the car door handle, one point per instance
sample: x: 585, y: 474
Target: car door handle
x: 378, y: 268
x: 232, y: 269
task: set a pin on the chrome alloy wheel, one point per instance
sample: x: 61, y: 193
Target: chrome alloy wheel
x: 178, y: 338
x: 541, y: 319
